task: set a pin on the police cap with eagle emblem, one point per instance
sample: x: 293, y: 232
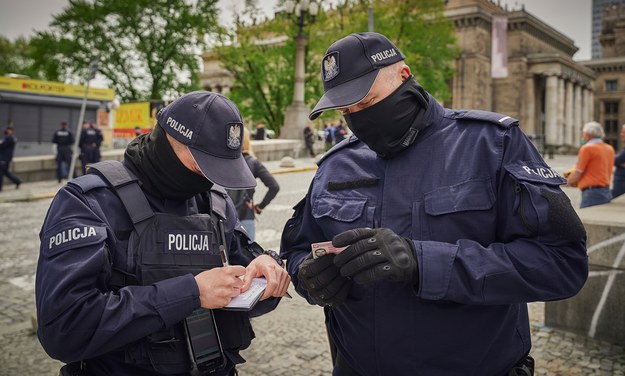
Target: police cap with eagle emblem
x: 350, y: 67
x: 211, y: 127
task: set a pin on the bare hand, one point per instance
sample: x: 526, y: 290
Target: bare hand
x: 219, y: 285
x: 277, y: 278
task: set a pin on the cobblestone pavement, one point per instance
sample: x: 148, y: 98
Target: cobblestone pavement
x: 289, y: 341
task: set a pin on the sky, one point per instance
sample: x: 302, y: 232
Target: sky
x: 570, y: 17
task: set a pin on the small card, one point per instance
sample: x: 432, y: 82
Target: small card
x: 323, y: 248
x: 247, y: 300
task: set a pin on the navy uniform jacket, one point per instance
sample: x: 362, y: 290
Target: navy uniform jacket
x: 79, y: 317
x: 90, y: 137
x: 7, y: 147
x: 64, y: 139
x: 491, y: 229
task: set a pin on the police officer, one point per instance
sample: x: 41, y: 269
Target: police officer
x: 130, y: 251
x: 451, y: 221
x: 7, y: 147
x: 64, y: 139
x: 90, y: 142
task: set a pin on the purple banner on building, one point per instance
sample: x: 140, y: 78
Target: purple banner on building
x: 499, y: 55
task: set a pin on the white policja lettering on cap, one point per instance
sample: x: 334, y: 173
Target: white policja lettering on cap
x: 180, y: 128
x: 383, y: 55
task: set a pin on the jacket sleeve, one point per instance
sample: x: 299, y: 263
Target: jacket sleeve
x: 540, y: 253
x: 270, y: 182
x: 242, y: 252
x: 299, y: 232
x: 78, y: 317
x: 620, y: 158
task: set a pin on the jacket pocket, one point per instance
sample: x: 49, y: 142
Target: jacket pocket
x: 342, y: 213
x: 456, y: 211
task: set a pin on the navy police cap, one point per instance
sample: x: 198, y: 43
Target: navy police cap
x: 350, y: 67
x: 211, y: 127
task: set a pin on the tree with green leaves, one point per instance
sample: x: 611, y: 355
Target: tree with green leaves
x: 261, y: 54
x: 15, y: 59
x: 147, y: 49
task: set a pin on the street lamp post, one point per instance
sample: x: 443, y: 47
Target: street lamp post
x: 296, y: 116
x: 93, y: 68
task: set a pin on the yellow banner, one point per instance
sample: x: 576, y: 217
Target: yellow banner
x: 130, y: 115
x: 21, y: 85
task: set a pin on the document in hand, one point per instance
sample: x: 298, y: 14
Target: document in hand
x: 247, y: 300
x: 323, y: 248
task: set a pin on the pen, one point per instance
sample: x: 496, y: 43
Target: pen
x: 224, y: 255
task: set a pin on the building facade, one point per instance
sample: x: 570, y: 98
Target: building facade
x: 598, y: 10
x: 610, y: 74
x: 36, y: 109
x: 523, y: 69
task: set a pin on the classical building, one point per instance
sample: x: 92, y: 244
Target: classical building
x: 214, y: 76
x: 610, y: 74
x: 513, y: 63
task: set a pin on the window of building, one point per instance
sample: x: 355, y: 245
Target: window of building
x: 611, y: 127
x: 611, y: 108
x: 611, y: 85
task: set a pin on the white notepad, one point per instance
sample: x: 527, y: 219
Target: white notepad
x: 246, y: 300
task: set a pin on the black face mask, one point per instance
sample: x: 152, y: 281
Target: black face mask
x: 391, y: 125
x: 155, y: 163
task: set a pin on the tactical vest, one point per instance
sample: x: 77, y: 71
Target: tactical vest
x: 163, y: 246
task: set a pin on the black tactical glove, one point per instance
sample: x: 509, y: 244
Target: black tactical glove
x: 376, y: 254
x: 323, y: 280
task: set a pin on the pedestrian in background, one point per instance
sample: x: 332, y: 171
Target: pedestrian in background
x: 138, y: 131
x: 7, y: 148
x: 247, y: 208
x: 446, y: 224
x: 260, y: 132
x: 339, y: 132
x: 593, y: 170
x: 328, y: 134
x: 309, y: 140
x: 618, y: 181
x: 90, y: 142
x: 64, y: 140
x: 134, y: 253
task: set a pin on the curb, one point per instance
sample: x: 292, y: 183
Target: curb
x: 47, y: 195
x: 293, y: 169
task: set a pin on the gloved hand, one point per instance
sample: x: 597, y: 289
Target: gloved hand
x: 323, y: 280
x: 375, y: 255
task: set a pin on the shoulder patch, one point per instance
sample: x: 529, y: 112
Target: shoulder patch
x: 491, y: 117
x: 347, y: 141
x: 73, y: 237
x: 535, y: 172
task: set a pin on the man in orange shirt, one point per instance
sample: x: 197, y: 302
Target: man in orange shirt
x: 593, y: 170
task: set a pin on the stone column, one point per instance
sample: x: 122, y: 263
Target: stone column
x: 585, y: 106
x: 560, y: 119
x: 551, y: 111
x: 569, y: 127
x: 577, y: 128
x: 530, y: 106
x: 591, y: 105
